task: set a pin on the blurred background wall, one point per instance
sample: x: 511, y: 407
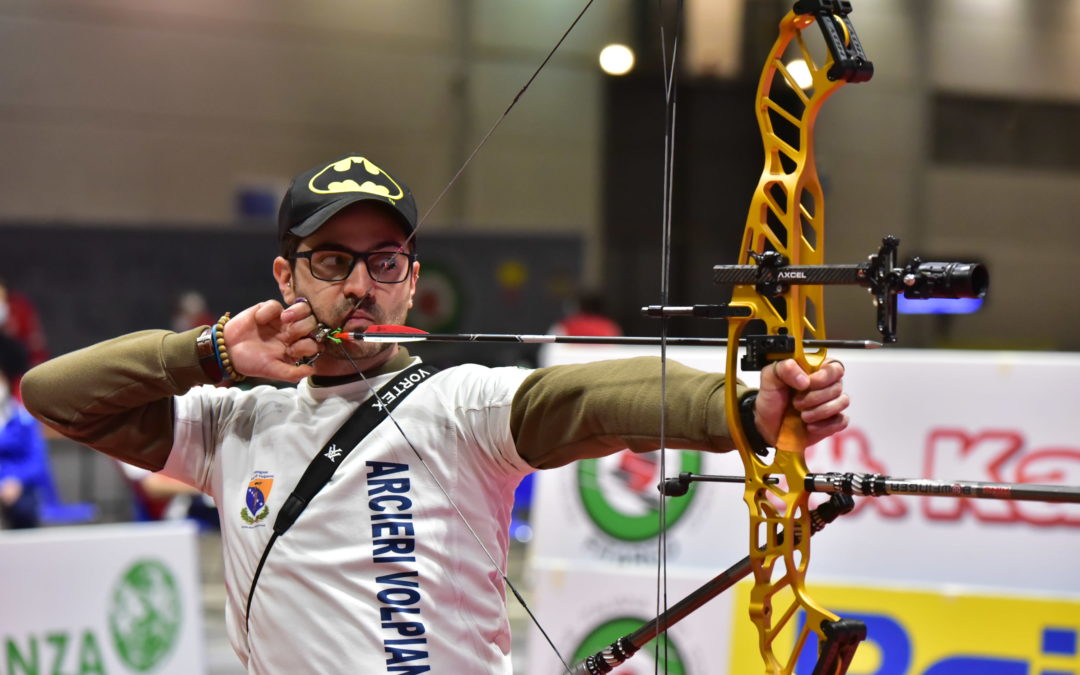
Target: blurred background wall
x: 182, y: 120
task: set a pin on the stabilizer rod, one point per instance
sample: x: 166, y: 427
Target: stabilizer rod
x: 876, y: 485
x: 607, y: 659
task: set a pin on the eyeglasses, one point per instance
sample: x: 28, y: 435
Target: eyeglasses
x: 336, y: 264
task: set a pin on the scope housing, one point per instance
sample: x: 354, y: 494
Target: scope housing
x: 923, y: 280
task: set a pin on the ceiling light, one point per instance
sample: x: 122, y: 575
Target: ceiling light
x: 616, y: 59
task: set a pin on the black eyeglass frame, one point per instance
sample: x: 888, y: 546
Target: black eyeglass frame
x: 356, y: 256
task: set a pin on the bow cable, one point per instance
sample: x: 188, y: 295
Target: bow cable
x: 327, y: 332
x: 498, y: 121
x: 669, y: 71
x: 435, y: 479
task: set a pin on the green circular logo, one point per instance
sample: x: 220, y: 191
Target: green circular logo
x: 619, y: 492
x: 645, y: 660
x: 144, y: 617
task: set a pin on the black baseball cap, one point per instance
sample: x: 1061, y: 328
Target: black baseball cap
x: 317, y: 194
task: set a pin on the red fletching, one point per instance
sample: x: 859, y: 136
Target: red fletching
x: 390, y: 328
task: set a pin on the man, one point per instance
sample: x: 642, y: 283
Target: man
x: 19, y: 321
x: 380, y: 573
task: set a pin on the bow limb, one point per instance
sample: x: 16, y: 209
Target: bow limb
x: 786, y: 218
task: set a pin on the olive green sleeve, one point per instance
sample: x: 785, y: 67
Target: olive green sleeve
x: 565, y: 413
x: 116, y: 396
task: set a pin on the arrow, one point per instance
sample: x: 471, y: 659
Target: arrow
x: 392, y: 333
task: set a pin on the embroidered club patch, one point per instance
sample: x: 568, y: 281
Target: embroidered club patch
x: 258, y: 492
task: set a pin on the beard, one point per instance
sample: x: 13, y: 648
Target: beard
x: 348, y: 351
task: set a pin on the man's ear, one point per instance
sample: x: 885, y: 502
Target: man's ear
x: 415, y: 278
x: 283, y: 274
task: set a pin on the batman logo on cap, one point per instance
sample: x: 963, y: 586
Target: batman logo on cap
x: 355, y: 174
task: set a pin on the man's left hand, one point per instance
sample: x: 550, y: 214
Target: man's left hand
x: 819, y: 397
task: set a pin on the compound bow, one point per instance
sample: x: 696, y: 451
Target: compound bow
x: 778, y: 281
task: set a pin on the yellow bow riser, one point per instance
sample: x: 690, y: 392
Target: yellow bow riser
x: 787, y: 216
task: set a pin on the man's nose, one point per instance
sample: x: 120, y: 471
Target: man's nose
x: 359, y: 281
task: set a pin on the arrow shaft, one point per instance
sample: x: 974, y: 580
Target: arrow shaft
x: 575, y: 339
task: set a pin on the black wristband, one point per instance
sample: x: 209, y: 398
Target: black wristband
x: 749, y: 425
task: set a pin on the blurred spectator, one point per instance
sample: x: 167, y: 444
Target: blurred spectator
x: 19, y: 320
x: 587, y: 317
x: 158, y: 497
x: 191, y: 311
x: 23, y: 462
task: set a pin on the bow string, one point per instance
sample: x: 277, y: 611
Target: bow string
x: 335, y: 337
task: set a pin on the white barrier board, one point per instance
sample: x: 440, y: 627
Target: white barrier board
x: 114, y: 599
x: 1002, y: 417
x: 605, y: 604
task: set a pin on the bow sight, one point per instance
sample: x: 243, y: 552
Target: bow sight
x: 771, y: 276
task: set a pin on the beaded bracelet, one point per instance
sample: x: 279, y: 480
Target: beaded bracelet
x: 222, y: 352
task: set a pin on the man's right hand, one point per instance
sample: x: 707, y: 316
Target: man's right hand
x: 266, y: 340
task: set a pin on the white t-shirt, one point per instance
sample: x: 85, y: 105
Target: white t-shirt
x: 378, y: 574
